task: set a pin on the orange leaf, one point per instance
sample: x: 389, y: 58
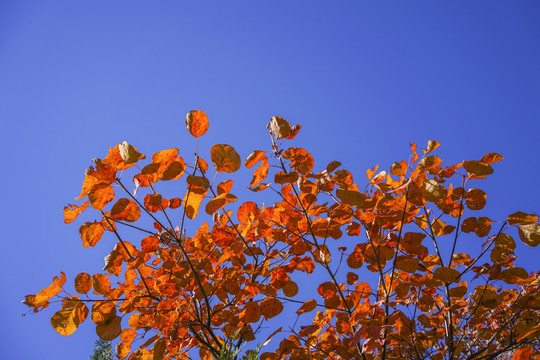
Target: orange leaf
x: 399, y: 169
x: 72, y: 211
x: 270, y: 308
x: 279, y: 127
x: 100, y: 195
x: 254, y: 158
x: 356, y: 259
x: 520, y: 218
x: 477, y: 168
x: 110, y: 329
x: 125, y: 209
x: 152, y: 202
x: 91, y: 233
x: 218, y: 202
x: 476, y: 199
x: 300, y: 159
x: 174, y: 170
x: 352, y: 278
x: 175, y: 203
x: 41, y: 298
x: 524, y: 353
x: 102, y: 284
x: 432, y: 145
x: 260, y: 174
x: 103, y: 311
x: 68, y: 319
x: 165, y: 156
x: 88, y: 183
x: 224, y: 187
x: 283, y: 177
x: 197, y: 122
x: 327, y: 289
x: 83, y: 283
x: 149, y: 244
x: 446, y: 275
x: 491, y: 158
x: 251, y: 313
x: 260, y: 187
x: 225, y: 158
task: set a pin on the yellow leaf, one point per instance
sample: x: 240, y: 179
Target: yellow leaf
x: 68, y: 319
x: 42, y: 297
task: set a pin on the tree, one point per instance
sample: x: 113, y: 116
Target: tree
x: 404, y: 267
x: 102, y: 351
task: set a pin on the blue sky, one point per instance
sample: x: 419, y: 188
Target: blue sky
x: 364, y: 79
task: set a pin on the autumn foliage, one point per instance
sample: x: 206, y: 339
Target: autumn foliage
x: 403, y: 266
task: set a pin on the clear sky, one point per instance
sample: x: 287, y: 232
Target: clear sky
x: 364, y: 78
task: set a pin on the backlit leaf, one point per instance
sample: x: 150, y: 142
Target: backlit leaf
x: 521, y: 218
x: 83, y: 283
x: 218, y: 202
x: 101, y: 283
x: 251, y: 312
x: 42, y: 297
x: 446, y: 275
x: 431, y: 145
x: 197, y: 122
x: 399, y: 168
x: 159, y: 348
x: 174, y: 170
x: 476, y: 199
x: 101, y: 195
x: 68, y: 319
x: 283, y: 177
x: 72, y: 211
x: 110, y: 329
x: 477, y: 168
x: 491, y: 158
x: 225, y: 158
x: 91, y: 233
x: 125, y: 209
x: 254, y: 158
x: 308, y: 306
x: 152, y: 202
x: 301, y: 160
x: 270, y: 308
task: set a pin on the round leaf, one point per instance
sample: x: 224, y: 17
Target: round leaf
x: 225, y: 158
x: 196, y: 122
